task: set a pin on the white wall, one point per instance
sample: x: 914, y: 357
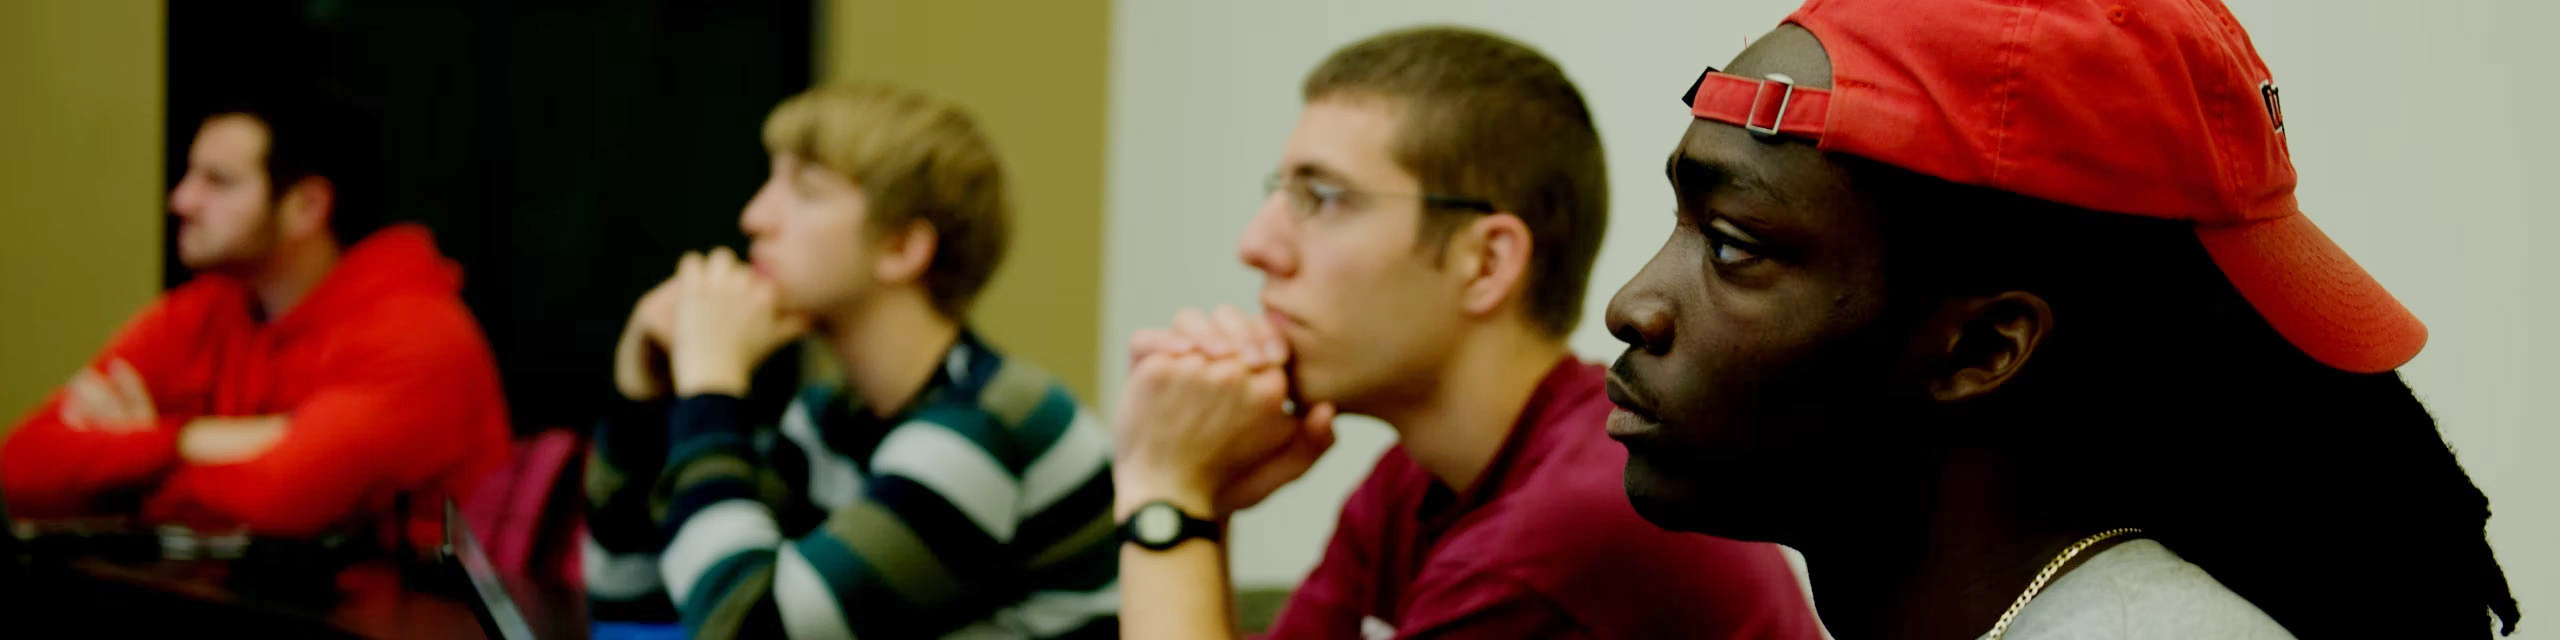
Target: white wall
x: 1204, y: 93
x: 2448, y: 199
x: 2415, y: 128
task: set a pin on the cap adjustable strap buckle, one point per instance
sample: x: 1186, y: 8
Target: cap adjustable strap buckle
x: 1774, y: 99
x: 1760, y: 104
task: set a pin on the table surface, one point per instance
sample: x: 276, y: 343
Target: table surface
x: 374, y: 598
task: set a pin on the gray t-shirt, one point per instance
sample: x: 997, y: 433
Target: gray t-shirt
x: 2139, y: 590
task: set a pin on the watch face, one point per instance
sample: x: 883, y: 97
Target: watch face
x: 1157, y: 523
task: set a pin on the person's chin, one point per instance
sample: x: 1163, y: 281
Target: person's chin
x: 792, y: 298
x: 205, y: 260
x: 786, y: 304
x: 1312, y: 383
x: 1661, y: 499
x: 1730, y: 508
x: 192, y: 252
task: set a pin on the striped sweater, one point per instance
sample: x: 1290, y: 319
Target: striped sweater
x: 982, y: 509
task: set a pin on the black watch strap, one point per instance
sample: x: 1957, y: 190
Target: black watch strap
x: 1159, y: 525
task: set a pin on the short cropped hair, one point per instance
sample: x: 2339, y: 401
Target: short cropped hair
x: 312, y: 135
x: 1485, y: 117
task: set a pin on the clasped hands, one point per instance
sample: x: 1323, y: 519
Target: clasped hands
x: 1204, y: 420
x: 710, y: 324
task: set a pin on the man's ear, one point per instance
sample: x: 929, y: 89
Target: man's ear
x: 1492, y: 254
x: 906, y: 252
x: 305, y: 206
x: 1981, y: 342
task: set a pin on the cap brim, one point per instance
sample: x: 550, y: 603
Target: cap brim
x: 2314, y: 295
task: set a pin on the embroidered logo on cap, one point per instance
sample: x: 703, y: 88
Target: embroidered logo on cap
x: 2275, y: 103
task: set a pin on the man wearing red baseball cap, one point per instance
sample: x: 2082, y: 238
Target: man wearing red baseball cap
x: 2005, y: 314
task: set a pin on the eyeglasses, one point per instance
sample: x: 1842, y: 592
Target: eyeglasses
x: 1308, y: 197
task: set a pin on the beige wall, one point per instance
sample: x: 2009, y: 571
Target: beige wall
x: 80, y: 183
x: 1034, y: 75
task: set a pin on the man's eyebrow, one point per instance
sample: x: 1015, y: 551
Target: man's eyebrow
x: 1314, y: 171
x: 800, y: 175
x: 1694, y: 176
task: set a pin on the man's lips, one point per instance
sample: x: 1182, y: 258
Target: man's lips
x: 1280, y: 318
x: 1285, y: 325
x: 1624, y: 392
x: 1634, y: 416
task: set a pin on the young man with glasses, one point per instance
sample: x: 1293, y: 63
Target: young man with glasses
x: 1435, y: 215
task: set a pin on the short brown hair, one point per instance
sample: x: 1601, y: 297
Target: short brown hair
x: 917, y: 157
x: 1486, y: 117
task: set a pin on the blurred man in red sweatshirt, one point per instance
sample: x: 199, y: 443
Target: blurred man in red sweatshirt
x: 314, y: 373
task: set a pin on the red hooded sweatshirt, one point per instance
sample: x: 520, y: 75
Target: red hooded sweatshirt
x: 389, y: 388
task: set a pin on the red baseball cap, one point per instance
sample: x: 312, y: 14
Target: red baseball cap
x: 2157, y: 108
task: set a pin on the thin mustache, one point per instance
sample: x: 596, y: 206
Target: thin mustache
x: 1631, y: 386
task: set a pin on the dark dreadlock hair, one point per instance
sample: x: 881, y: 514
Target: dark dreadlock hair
x: 2326, y: 498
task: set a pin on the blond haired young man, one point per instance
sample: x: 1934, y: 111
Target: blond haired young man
x: 941, y: 489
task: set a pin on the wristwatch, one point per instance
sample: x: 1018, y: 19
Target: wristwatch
x: 1158, y: 525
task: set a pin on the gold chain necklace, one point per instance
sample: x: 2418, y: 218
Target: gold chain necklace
x: 2001, y: 628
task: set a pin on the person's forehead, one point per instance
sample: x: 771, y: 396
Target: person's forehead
x: 232, y: 137
x: 792, y: 163
x: 1789, y: 172
x: 1348, y: 137
x: 1774, y: 176
x: 1729, y: 159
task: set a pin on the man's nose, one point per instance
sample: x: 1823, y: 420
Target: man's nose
x: 1268, y: 242
x: 1639, y: 318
